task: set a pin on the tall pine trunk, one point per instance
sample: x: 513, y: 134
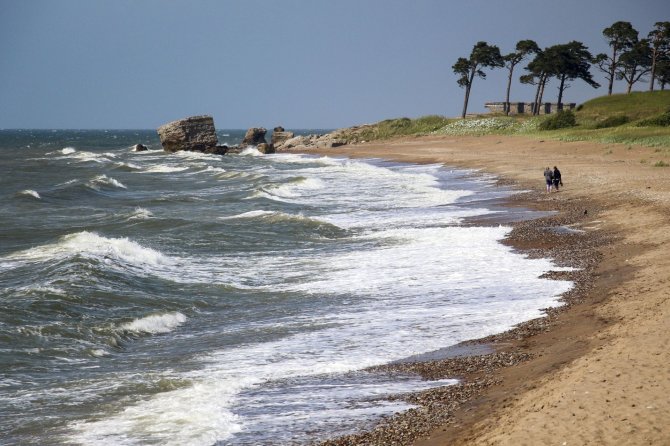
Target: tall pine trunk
x: 544, y: 82
x: 467, y: 91
x: 560, y: 90
x: 630, y: 81
x: 612, y: 72
x: 509, y: 86
x: 652, y: 76
x: 465, y: 102
x: 536, y: 104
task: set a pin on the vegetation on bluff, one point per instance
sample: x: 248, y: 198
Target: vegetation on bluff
x: 391, y: 128
x: 637, y: 118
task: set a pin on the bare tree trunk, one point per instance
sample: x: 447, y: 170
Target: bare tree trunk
x: 544, y: 82
x: 630, y: 87
x: 465, y: 102
x: 653, y: 69
x: 467, y: 91
x: 612, y: 72
x: 509, y: 86
x: 536, y: 104
x: 561, y: 87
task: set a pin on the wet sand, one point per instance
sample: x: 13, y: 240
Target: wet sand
x: 594, y: 371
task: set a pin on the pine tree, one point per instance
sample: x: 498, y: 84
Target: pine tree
x: 482, y: 56
x: 522, y: 50
x: 621, y: 36
x: 660, y: 47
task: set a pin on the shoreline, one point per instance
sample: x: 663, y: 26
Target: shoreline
x: 497, y: 389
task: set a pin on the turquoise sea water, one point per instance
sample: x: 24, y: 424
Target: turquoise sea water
x: 153, y: 298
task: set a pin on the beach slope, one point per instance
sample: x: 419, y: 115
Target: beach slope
x: 600, y: 374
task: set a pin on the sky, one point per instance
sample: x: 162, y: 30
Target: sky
x: 137, y: 64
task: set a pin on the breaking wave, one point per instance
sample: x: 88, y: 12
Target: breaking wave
x: 29, y: 193
x: 155, y: 323
x: 91, y: 245
x: 102, y: 181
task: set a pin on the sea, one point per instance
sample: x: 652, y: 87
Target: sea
x: 153, y: 298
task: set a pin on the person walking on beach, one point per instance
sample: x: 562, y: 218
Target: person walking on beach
x: 557, y: 178
x: 548, y: 178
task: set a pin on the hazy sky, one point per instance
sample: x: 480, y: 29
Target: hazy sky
x: 296, y: 63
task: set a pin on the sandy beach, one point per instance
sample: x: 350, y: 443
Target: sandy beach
x: 593, y: 371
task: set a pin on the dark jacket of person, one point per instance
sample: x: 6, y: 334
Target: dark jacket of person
x: 557, y: 176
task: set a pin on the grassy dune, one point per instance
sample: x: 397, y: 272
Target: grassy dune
x: 639, y: 118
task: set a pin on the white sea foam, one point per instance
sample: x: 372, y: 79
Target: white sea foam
x: 104, y: 180
x: 272, y: 217
x: 353, y: 185
x: 251, y: 151
x: 128, y: 166
x: 163, y: 168
x: 296, y: 188
x: 42, y: 289
x: 140, y: 214
x: 185, y: 417
x: 250, y: 214
x: 98, y: 352
x: 67, y: 183
x: 30, y: 193
x: 212, y: 169
x: 84, y: 156
x: 155, y: 323
x: 189, y: 155
x: 293, y: 158
x: 92, y: 245
x: 68, y: 150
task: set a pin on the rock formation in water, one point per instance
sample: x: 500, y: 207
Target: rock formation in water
x: 280, y: 136
x: 265, y: 148
x: 140, y: 148
x: 195, y: 133
x: 306, y: 142
x: 254, y: 137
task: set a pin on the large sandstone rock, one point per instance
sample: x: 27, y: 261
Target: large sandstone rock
x: 279, y: 136
x: 195, y: 133
x: 299, y: 141
x: 254, y: 137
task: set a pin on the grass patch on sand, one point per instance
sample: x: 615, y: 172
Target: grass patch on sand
x: 391, y: 128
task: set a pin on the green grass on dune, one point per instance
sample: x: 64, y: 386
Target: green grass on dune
x: 628, y: 134
x: 391, y: 128
x: 637, y: 105
x: 636, y: 118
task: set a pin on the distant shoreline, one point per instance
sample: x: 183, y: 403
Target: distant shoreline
x: 626, y: 201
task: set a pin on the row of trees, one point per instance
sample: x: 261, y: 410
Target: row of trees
x: 630, y: 59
